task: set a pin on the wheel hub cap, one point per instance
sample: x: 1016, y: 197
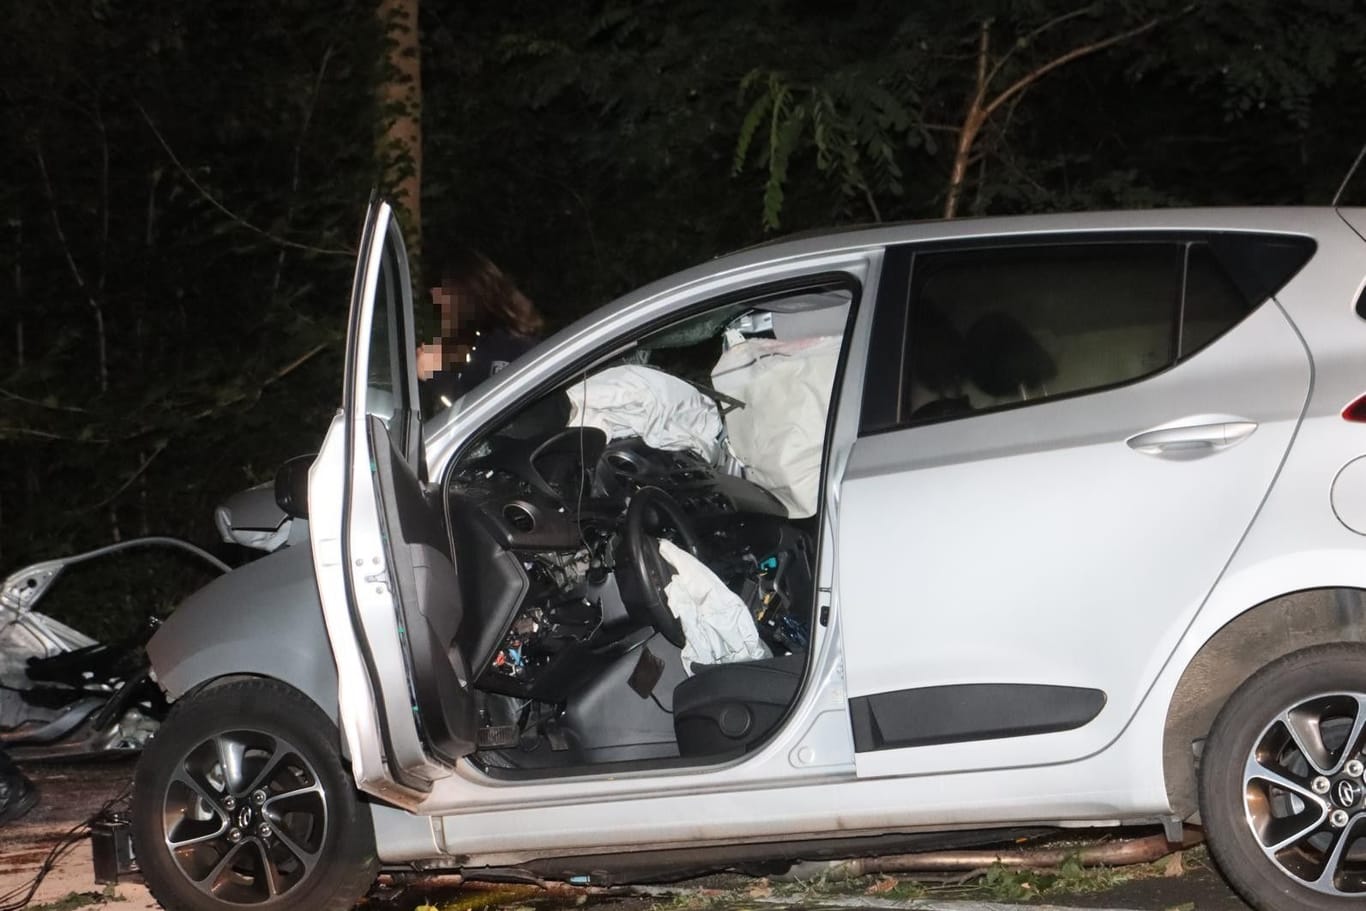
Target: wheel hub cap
x: 1346, y: 792
x: 245, y: 817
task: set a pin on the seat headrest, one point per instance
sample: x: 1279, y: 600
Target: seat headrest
x: 1003, y: 356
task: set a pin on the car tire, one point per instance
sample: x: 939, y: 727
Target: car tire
x: 242, y: 799
x: 1281, y: 786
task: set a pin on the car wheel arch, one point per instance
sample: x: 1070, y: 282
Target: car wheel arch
x: 226, y: 679
x: 1244, y: 645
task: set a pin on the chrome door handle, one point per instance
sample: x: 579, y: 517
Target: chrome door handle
x: 1191, y: 439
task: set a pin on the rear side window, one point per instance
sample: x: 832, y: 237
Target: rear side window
x: 989, y: 328
x: 999, y: 328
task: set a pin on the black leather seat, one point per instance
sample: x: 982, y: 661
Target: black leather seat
x: 727, y: 707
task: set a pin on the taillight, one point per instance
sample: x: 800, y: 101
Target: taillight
x: 1356, y: 411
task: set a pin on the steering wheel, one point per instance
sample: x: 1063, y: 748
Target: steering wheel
x: 642, y: 572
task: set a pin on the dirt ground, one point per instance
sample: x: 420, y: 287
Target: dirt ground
x: 72, y: 793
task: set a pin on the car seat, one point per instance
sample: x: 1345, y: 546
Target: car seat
x: 725, y: 708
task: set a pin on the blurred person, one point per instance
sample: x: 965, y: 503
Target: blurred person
x: 486, y: 323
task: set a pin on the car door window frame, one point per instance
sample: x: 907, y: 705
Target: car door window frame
x: 623, y: 341
x: 403, y: 421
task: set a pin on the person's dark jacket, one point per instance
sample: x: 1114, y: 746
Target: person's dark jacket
x: 491, y: 352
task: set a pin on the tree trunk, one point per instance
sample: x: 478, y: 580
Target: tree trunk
x: 400, y: 93
x: 973, y: 118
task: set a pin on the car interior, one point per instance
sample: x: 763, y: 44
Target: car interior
x: 708, y: 433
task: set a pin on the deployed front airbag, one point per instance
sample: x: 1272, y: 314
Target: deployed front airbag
x: 779, y: 435
x: 634, y: 401
x: 716, y: 623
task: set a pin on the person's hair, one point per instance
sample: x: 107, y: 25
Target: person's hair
x: 484, y: 294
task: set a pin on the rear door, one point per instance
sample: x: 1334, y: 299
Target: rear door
x: 1069, y: 442
x: 402, y: 595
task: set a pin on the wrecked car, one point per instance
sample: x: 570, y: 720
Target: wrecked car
x: 1032, y: 521
x: 62, y: 693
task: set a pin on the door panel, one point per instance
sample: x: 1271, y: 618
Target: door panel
x: 429, y: 603
x: 401, y: 597
x: 1037, y: 547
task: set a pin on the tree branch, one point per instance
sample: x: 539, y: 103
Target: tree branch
x: 101, y: 340
x: 872, y: 203
x: 294, y: 173
x: 274, y: 377
x: 295, y: 364
x: 973, y: 118
x: 1076, y: 53
x: 1028, y: 39
x: 13, y: 433
x: 104, y: 203
x: 146, y: 462
x: 231, y: 215
x: 57, y: 222
x: 983, y: 51
x: 16, y: 397
x: 102, y: 364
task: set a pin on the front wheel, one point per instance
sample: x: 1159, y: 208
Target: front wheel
x: 1283, y: 783
x: 241, y: 800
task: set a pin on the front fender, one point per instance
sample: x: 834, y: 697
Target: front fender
x: 262, y: 620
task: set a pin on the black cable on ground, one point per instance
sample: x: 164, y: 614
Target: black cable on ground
x: 19, y: 897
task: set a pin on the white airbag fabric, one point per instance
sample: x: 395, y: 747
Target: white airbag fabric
x: 715, y: 621
x: 634, y: 401
x: 780, y: 433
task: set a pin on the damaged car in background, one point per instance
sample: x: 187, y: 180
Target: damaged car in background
x: 62, y: 693
x: 910, y: 536
x: 65, y: 695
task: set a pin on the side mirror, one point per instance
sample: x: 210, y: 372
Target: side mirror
x: 291, y: 486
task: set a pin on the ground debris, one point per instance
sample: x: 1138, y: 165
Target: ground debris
x: 883, y: 885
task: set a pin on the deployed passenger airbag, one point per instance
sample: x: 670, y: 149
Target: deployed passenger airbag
x: 779, y: 436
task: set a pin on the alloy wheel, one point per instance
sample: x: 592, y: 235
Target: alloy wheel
x: 245, y: 817
x: 1304, y: 795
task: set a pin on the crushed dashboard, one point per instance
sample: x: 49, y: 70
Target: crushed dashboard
x: 539, y: 528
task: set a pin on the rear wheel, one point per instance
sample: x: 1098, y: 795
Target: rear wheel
x: 241, y: 800
x: 1282, y: 786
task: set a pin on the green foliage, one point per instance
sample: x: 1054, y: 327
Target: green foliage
x: 74, y: 900
x: 1191, y: 102
x: 855, y: 128
x: 1001, y: 883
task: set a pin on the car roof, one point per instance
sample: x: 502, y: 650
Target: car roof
x: 1287, y: 219
x: 1305, y: 220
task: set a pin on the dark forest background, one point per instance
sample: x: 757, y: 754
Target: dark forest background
x: 182, y: 183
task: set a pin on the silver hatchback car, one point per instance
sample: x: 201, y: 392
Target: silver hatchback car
x: 1039, y: 521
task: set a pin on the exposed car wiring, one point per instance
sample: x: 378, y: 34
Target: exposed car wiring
x: 19, y: 897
